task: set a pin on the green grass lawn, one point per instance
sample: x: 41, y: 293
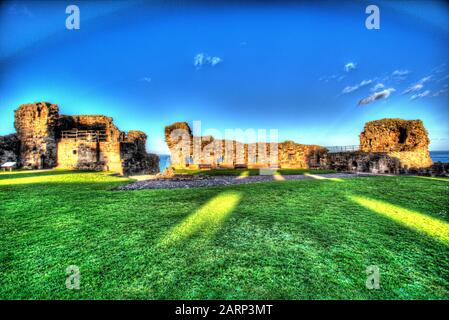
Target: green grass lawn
x: 249, y: 172
x: 310, y: 239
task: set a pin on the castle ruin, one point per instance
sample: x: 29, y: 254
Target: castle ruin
x: 46, y: 139
x: 189, y: 151
x: 386, y: 146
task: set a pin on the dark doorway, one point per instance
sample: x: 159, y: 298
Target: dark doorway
x: 402, y: 135
x: 42, y: 162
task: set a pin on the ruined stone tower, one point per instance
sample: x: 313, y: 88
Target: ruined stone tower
x: 405, y: 140
x: 46, y: 139
x: 36, y: 129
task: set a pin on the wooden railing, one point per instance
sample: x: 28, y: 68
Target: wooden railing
x: 335, y: 149
x: 84, y: 135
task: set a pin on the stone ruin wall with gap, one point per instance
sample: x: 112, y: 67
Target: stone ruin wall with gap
x: 406, y: 140
x: 40, y: 142
x: 386, y: 146
x: 9, y: 148
x: 206, y: 150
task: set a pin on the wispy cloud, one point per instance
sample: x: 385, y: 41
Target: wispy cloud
x: 376, y: 96
x: 20, y: 9
x: 202, y: 59
x: 350, y: 89
x: 420, y: 95
x: 378, y: 86
x: 413, y: 88
x: 418, y: 85
x: 146, y: 79
x: 440, y: 68
x: 350, y: 66
x: 400, y: 74
x: 425, y: 79
x: 442, y: 92
x: 446, y: 77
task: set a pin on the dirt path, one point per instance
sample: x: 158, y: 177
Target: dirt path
x: 233, y: 180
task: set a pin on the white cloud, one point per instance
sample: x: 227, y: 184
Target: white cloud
x: 439, y: 69
x: 146, y: 79
x: 418, y: 85
x: 20, y: 9
x: 420, y: 95
x: 378, y: 86
x: 376, y: 96
x: 214, y: 60
x: 425, y: 79
x: 198, y: 60
x: 202, y: 59
x: 350, y: 66
x: 400, y: 74
x: 441, y: 92
x: 350, y: 89
x: 414, y: 88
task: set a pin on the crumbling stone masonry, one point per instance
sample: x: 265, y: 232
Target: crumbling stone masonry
x: 406, y: 140
x: 46, y: 139
x: 188, y: 151
x: 386, y: 146
x: 9, y: 148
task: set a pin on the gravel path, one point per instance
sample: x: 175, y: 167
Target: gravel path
x: 230, y: 180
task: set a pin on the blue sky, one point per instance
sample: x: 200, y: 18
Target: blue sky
x: 310, y: 69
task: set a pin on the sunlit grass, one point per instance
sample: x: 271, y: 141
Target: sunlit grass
x: 412, y: 219
x: 206, y: 220
x: 243, y: 174
x: 278, y: 177
x: 314, y: 176
x: 291, y: 240
x: 434, y: 178
x: 57, y: 176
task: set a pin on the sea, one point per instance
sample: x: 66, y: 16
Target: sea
x: 164, y: 161
x: 439, y: 156
x: 436, y: 156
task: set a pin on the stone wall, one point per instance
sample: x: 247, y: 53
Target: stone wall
x: 295, y: 155
x: 191, y: 151
x: 36, y: 129
x: 90, y: 153
x: 9, y: 148
x: 359, y: 161
x: 134, y: 156
x: 85, y: 142
x: 80, y: 155
x: 406, y: 140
